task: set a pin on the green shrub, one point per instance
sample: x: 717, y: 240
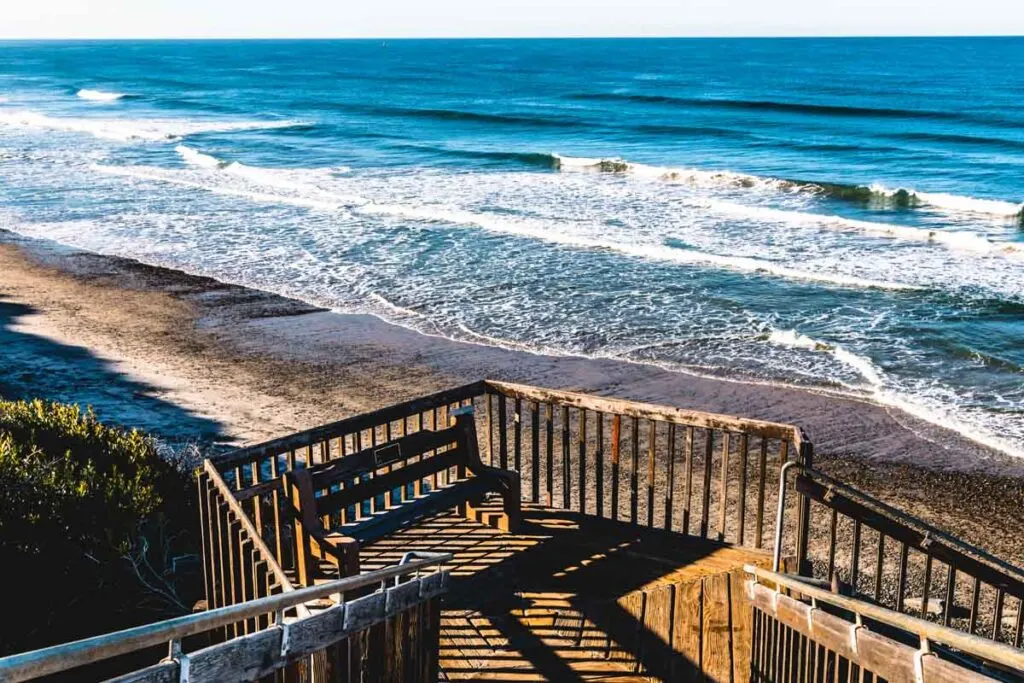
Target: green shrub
x: 84, y: 515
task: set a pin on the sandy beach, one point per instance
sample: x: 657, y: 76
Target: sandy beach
x: 211, y: 365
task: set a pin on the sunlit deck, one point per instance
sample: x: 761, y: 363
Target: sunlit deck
x: 568, y: 597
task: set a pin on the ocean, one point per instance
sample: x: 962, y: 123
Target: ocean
x: 838, y: 214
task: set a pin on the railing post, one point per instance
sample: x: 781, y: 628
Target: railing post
x: 804, y: 516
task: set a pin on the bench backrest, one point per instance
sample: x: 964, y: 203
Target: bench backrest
x: 390, y: 467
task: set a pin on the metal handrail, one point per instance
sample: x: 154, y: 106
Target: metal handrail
x: 982, y: 648
x: 58, y: 658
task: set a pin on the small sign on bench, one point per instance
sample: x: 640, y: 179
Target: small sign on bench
x: 385, y: 455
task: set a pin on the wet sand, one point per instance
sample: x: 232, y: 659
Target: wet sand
x: 197, y: 361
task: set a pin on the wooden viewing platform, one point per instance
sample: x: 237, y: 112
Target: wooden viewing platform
x: 511, y: 533
x: 570, y: 598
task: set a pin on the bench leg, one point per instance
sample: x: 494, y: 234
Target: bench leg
x: 510, y: 517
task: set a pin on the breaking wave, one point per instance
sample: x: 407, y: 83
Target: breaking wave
x: 261, y: 183
x: 99, y: 95
x: 874, y: 195
x: 862, y: 365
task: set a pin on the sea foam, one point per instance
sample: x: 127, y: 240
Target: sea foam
x: 99, y: 95
x: 861, y: 364
x: 126, y: 130
x: 867, y: 194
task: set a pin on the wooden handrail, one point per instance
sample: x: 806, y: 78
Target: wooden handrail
x: 649, y: 411
x: 911, y: 530
x: 982, y: 648
x: 257, y: 538
x: 58, y: 658
x: 252, y: 453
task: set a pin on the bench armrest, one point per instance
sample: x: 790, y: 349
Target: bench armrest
x: 340, y: 550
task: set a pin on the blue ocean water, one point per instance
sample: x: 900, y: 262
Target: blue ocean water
x: 843, y: 214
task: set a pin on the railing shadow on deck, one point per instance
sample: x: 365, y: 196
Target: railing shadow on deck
x: 655, y: 467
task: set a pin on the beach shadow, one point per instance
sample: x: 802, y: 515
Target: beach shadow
x: 32, y: 366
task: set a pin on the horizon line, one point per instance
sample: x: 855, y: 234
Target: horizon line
x: 507, y: 37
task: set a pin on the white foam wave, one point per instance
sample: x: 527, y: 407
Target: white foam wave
x: 734, y: 180
x: 99, y: 95
x: 958, y: 203
x: 270, y: 177
x: 690, y: 176
x: 863, y: 365
x: 126, y: 130
x: 197, y: 158
x: 657, y: 252
x: 954, y: 239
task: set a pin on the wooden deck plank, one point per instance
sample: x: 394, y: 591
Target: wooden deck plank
x: 569, y: 597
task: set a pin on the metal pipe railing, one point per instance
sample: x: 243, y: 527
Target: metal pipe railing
x: 976, y: 646
x: 58, y: 658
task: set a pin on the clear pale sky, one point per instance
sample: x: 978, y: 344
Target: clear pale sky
x: 467, y: 18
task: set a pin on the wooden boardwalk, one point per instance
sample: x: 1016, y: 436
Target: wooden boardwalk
x: 567, y: 598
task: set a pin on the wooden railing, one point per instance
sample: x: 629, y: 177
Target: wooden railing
x: 689, y: 472
x: 237, y: 565
x: 390, y: 634
x: 901, y: 562
x: 714, y: 476
x: 254, y: 474
x: 804, y: 633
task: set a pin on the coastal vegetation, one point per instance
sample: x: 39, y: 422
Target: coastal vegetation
x: 92, y: 523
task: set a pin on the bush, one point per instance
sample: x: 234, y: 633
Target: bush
x: 85, y: 511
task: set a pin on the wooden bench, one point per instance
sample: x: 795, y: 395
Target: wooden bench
x: 352, y: 487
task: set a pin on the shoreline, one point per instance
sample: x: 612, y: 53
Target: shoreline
x: 198, y: 361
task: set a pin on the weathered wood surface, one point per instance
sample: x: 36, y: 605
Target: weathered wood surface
x: 573, y: 597
x: 790, y: 628
x: 646, y: 411
x: 327, y: 641
x: 349, y: 425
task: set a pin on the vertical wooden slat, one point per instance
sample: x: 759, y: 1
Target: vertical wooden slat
x: 582, y: 476
x: 599, y: 463
x: 652, y: 439
x: 761, y: 481
x: 723, y: 502
x: 1018, y: 631
x: 670, y: 475
x: 549, y: 447
x: 566, y: 464
x: 855, y: 555
x: 997, y: 615
x: 535, y: 452
x: 502, y: 434
x: 223, y: 552
x: 688, y: 482
x: 616, y: 440
x: 517, y: 443
x: 947, y: 608
x: 204, y: 534
x: 833, y: 524
x: 433, y: 427
x: 927, y: 586
x: 489, y: 398
x: 634, y: 474
x: 709, y: 445
x: 741, y: 514
x: 901, y: 581
x: 879, y: 566
x: 975, y: 597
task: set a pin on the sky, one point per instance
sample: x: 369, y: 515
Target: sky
x: 511, y: 18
